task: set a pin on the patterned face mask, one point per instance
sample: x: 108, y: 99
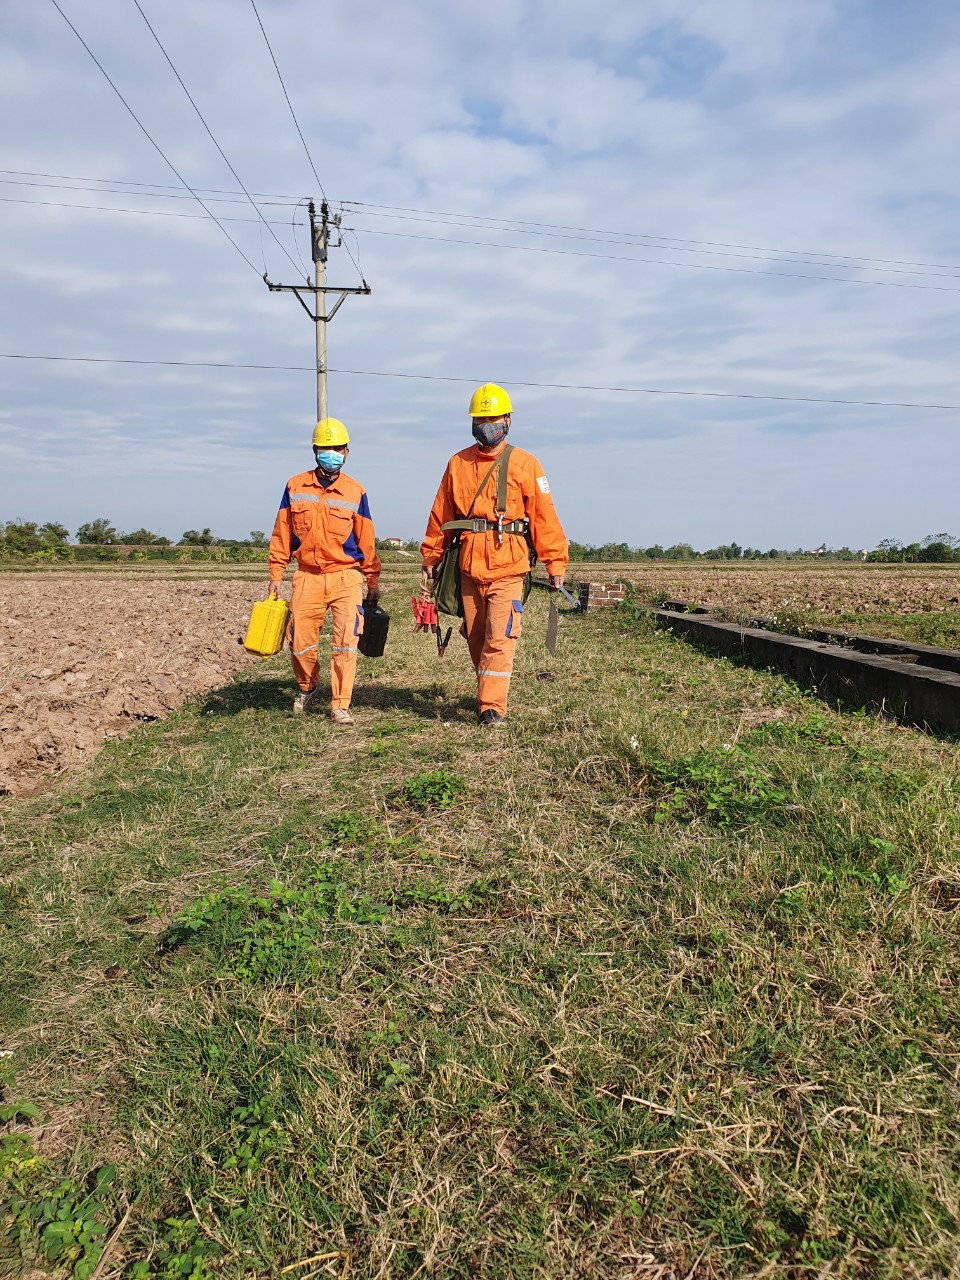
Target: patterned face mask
x: 488, y: 434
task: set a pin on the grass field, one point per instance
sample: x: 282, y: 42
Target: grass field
x: 659, y: 981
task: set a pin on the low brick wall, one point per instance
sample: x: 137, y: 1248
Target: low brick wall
x: 601, y: 595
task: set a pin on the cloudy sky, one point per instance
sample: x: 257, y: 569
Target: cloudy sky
x: 754, y: 197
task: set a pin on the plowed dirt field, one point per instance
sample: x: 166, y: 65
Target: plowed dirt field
x: 84, y: 659
x: 827, y: 589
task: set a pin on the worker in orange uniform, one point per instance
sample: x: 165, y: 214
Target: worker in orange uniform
x: 324, y: 521
x: 494, y: 554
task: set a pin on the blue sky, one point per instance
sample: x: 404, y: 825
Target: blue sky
x: 720, y: 156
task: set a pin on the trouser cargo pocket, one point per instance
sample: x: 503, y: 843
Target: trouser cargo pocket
x: 514, y: 620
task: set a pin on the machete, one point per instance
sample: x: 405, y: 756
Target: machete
x: 552, y: 620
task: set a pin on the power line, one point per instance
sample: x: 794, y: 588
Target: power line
x: 360, y: 205
x: 293, y: 116
x: 152, y: 213
x: 150, y: 139
x: 167, y: 191
x: 210, y: 132
x: 514, y: 382
x: 663, y: 262
x: 762, y: 256
x: 643, y: 235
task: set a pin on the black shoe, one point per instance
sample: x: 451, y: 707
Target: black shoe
x: 489, y: 719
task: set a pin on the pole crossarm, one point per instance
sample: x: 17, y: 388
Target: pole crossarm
x: 342, y: 290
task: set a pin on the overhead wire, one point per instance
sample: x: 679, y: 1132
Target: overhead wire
x: 663, y: 262
x: 167, y: 190
x: 514, y: 382
x: 766, y: 255
x: 820, y: 253
x: 107, y: 208
x: 203, y: 121
x: 293, y: 116
x: 358, y: 206
x: 150, y: 138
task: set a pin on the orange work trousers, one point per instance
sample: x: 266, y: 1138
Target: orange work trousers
x: 492, y: 621
x: 313, y: 594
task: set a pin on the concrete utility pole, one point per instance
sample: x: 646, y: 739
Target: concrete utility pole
x: 319, y: 243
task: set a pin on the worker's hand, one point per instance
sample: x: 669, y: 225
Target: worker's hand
x: 372, y: 599
x: 426, y: 583
x: 556, y: 581
x: 275, y: 589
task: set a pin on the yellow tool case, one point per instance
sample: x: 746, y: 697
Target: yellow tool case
x: 266, y: 628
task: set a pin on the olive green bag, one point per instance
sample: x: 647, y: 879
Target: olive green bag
x: 446, y: 587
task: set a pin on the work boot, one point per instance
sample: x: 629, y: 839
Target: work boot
x: 340, y: 715
x: 489, y: 719
x: 303, y: 702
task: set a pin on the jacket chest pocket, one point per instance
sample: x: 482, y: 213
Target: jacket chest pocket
x: 339, y: 525
x: 301, y: 519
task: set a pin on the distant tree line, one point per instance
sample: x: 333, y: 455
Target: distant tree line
x: 99, y: 539
x: 936, y: 548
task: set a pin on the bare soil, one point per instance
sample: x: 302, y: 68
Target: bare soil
x: 87, y: 658
x: 828, y: 589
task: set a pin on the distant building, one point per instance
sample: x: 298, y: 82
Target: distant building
x: 395, y: 543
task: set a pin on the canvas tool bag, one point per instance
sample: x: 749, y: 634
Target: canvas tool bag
x: 447, y: 594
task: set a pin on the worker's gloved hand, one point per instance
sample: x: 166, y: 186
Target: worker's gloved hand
x: 275, y: 589
x: 372, y: 599
x: 427, y: 583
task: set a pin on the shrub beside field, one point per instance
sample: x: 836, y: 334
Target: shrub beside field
x: 658, y: 981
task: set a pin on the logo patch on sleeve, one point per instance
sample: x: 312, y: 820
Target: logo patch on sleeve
x: 544, y: 484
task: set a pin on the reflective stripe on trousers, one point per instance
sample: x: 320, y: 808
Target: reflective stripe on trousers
x: 313, y: 594
x: 492, y: 617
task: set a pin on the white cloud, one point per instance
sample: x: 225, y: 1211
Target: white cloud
x: 816, y: 126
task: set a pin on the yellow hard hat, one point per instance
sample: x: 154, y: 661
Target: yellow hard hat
x: 489, y: 401
x: 330, y: 433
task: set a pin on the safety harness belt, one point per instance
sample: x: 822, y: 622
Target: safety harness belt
x: 473, y: 524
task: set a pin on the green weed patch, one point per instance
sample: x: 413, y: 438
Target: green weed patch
x: 277, y: 936
x: 438, y: 789
x: 728, y: 786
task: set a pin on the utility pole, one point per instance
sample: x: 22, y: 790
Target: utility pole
x: 319, y: 244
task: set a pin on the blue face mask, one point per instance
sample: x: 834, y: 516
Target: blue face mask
x: 329, y: 459
x: 488, y: 434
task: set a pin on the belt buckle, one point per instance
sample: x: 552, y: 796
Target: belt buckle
x: 479, y: 526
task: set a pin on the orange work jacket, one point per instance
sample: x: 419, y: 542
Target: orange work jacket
x: 528, y: 496
x: 326, y: 527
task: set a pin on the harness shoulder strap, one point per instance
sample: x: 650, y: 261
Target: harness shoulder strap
x: 504, y: 459
x: 501, y: 499
x: 496, y: 464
